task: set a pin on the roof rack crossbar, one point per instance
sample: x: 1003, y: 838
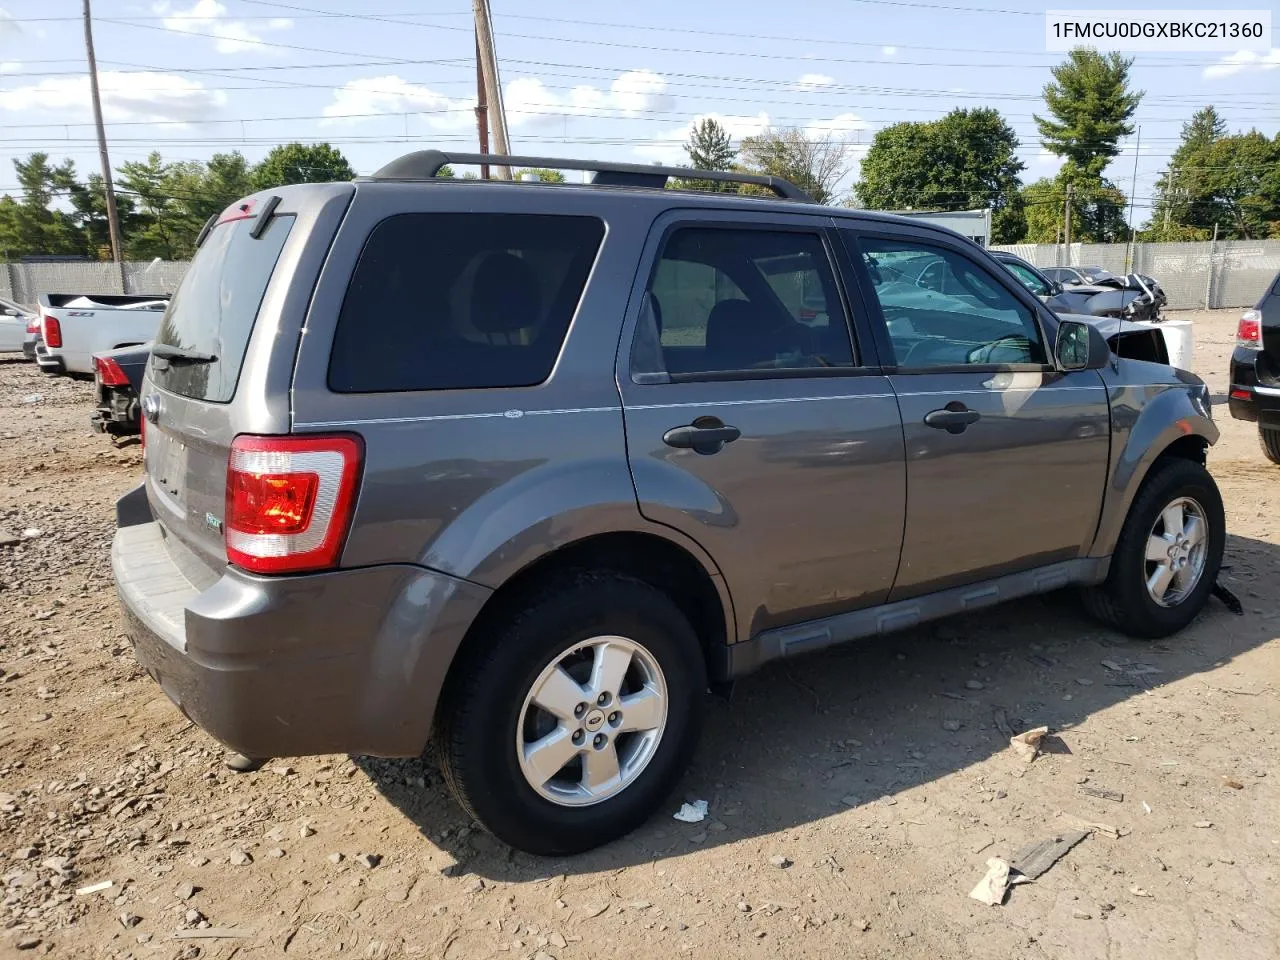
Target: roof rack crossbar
x: 425, y: 164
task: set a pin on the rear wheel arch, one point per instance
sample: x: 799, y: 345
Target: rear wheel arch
x: 650, y: 558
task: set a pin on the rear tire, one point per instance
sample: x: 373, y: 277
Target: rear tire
x: 1152, y: 556
x: 492, y: 714
x: 1270, y: 440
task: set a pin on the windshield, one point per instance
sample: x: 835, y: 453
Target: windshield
x: 210, y: 318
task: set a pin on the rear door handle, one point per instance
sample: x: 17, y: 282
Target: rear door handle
x: 955, y: 417
x: 704, y: 435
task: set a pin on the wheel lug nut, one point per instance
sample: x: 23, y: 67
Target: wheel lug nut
x: 599, y: 741
x: 615, y: 717
x: 577, y: 736
x: 580, y: 709
x: 602, y: 699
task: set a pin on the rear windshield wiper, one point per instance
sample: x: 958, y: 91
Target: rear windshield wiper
x: 174, y: 354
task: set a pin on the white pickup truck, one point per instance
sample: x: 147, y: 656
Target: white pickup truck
x: 73, y: 327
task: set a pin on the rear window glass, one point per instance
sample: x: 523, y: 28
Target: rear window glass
x: 443, y: 301
x: 213, y: 312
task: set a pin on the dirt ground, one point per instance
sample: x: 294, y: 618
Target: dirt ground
x: 855, y: 796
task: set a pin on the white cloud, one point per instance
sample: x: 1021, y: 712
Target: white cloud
x: 125, y: 96
x: 209, y: 17
x: 670, y: 148
x: 814, y: 81
x: 1044, y: 158
x: 391, y: 95
x: 10, y: 66
x: 529, y: 101
x: 889, y: 51
x: 1241, y: 61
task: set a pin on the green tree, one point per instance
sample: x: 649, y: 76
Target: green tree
x: 709, y: 147
x: 1216, y: 179
x: 814, y: 164
x: 160, y: 225
x: 301, y: 163
x: 89, y: 201
x: 31, y: 226
x: 1090, y: 106
x: 1097, y: 210
x: 543, y: 174
x: 966, y: 160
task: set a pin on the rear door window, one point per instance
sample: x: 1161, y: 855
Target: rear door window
x: 214, y: 310
x: 447, y: 301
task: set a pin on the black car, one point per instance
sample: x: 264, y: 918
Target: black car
x: 1255, y: 370
x: 1078, y: 276
x: 1133, y: 297
x: 117, y: 375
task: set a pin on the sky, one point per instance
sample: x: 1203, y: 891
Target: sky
x: 615, y: 81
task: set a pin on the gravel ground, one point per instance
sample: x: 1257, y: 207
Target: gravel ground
x: 855, y: 796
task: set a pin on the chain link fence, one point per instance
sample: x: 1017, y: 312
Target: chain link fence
x: 24, y: 282
x: 1225, y: 273
x: 1194, y: 276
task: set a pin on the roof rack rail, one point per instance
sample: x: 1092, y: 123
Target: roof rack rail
x: 425, y: 164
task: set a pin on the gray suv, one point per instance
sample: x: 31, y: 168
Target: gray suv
x: 523, y: 468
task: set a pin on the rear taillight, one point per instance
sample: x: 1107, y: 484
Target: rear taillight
x: 1249, y: 331
x: 290, y: 500
x: 51, y: 331
x: 33, y: 325
x: 109, y: 372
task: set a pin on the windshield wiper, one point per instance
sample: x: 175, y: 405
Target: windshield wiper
x: 174, y: 354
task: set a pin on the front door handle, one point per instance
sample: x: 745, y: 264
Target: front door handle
x: 955, y: 417
x: 704, y: 435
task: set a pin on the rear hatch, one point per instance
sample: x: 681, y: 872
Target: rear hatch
x: 222, y: 359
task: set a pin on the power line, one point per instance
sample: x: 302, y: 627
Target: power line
x: 256, y: 41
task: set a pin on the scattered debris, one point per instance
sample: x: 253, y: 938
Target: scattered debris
x: 951, y: 725
x: 1233, y: 783
x: 369, y: 860
x: 694, y: 812
x: 981, y: 845
x: 1027, y: 744
x: 1033, y: 860
x: 185, y: 891
x: 95, y: 888
x: 240, y: 858
x: 1139, y: 892
x: 213, y: 933
x: 335, y: 858
x: 28, y: 943
x: 1203, y: 824
x: 974, y: 685
x: 1146, y: 806
x: 1078, y: 914
x: 1095, y: 826
x: 129, y: 920
x: 780, y: 862
x: 992, y: 887
x: 1103, y: 793
x: 1229, y: 599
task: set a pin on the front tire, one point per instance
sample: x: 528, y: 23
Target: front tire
x: 578, y: 716
x: 1270, y: 440
x: 1167, y: 558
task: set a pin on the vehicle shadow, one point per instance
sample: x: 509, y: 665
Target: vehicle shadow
x: 805, y: 739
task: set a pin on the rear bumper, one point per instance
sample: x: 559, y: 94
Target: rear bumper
x: 350, y: 661
x: 1249, y: 397
x: 117, y: 413
x: 29, y: 349
x: 50, y: 364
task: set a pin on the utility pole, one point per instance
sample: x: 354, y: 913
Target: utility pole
x: 1133, y: 189
x: 113, y: 218
x: 1169, y: 193
x: 493, y: 87
x: 1067, y: 229
x: 482, y: 111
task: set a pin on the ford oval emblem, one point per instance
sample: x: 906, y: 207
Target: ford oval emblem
x: 151, y: 408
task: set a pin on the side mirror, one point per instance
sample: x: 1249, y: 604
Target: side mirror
x: 1080, y: 346
x: 1055, y: 288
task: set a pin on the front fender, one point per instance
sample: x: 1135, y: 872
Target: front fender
x: 1146, y: 419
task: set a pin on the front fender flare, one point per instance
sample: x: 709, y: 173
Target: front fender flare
x: 1143, y: 428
